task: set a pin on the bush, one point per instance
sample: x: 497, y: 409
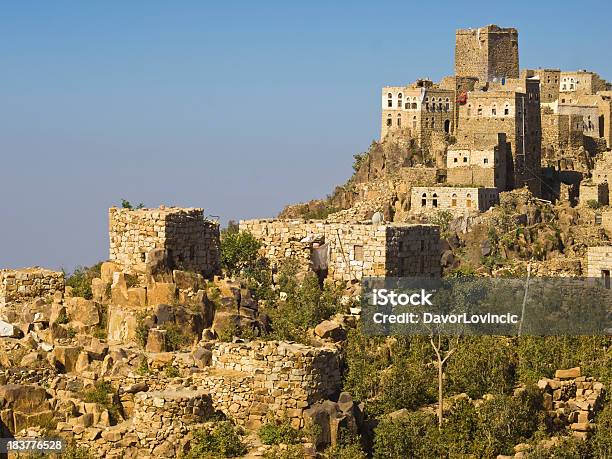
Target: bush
x: 101, y: 393
x: 275, y: 433
x: 239, y: 251
x: 482, y: 364
x: 127, y: 205
x: 222, y: 441
x: 142, y: 329
x: 76, y: 452
x: 80, y: 280
x: 290, y: 452
x: 593, y: 204
x: 602, y: 440
x: 347, y: 447
x: 175, y: 337
x: 414, y: 435
x: 170, y: 371
x: 567, y: 448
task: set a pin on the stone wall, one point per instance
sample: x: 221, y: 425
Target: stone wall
x: 597, y: 192
x: 599, y: 261
x: 250, y: 381
x: 191, y: 242
x: 25, y: 284
x: 454, y: 199
x: 606, y: 221
x: 352, y: 250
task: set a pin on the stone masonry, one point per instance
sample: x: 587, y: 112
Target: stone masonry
x: 249, y: 381
x: 25, y: 284
x: 454, y: 199
x: 599, y: 263
x: 191, y: 241
x: 351, y: 250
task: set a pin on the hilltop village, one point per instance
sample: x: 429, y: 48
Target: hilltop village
x: 195, y: 341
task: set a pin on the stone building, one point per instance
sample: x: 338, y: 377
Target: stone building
x: 581, y: 82
x: 594, y: 192
x: 418, y: 111
x: 479, y: 161
x: 488, y: 53
x: 17, y: 285
x: 455, y: 199
x: 350, y: 251
x: 549, y: 83
x: 511, y: 107
x: 190, y: 241
x: 599, y: 263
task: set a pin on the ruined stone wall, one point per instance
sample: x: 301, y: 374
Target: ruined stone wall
x: 560, y: 133
x: 191, y: 242
x: 598, y: 192
x: 251, y: 380
x: 606, y: 221
x: 354, y: 250
x: 487, y: 52
x: 454, y: 199
x: 599, y: 259
x: 25, y: 284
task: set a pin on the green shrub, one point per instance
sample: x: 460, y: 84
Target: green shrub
x: 239, y: 251
x: 274, y: 433
x: 593, y: 204
x: 102, y: 393
x: 62, y: 318
x: 175, y: 337
x: 80, y: 280
x: 414, y: 435
x: 602, y: 440
x: 347, y: 447
x: 142, y: 329
x: 143, y: 368
x: 567, y: 448
x: 222, y: 441
x: 127, y: 205
x: 170, y: 371
x: 289, y: 452
x: 76, y: 452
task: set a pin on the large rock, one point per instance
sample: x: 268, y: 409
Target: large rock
x: 570, y: 373
x: 119, y: 290
x: 186, y: 280
x: 328, y: 329
x: 66, y: 358
x: 161, y: 293
x: 137, y: 297
x: 8, y: 330
x: 107, y: 269
x: 156, y: 341
x: 158, y: 263
x: 224, y: 321
x: 83, y: 311
x: 22, y: 397
x: 202, y: 357
x: 122, y: 324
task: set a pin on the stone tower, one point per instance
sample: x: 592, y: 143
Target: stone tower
x: 487, y: 53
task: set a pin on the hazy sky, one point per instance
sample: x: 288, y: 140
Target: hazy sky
x: 237, y: 107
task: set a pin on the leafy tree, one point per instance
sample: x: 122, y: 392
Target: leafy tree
x: 239, y: 252
x: 80, y: 280
x: 127, y: 205
x: 222, y: 441
x: 275, y: 433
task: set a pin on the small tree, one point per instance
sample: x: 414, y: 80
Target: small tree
x: 125, y: 204
x: 239, y: 251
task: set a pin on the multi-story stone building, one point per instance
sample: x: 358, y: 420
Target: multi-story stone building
x: 418, y: 111
x: 190, y: 241
x: 511, y: 107
x: 479, y: 160
x: 599, y: 264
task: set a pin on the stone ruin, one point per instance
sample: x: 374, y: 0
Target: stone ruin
x: 350, y: 251
x: 19, y: 285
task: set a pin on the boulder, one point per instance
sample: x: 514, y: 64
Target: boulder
x: 202, y: 357
x: 163, y: 313
x: 328, y: 329
x: 107, y: 270
x: 158, y: 263
x: 83, y: 311
x: 161, y: 293
x: 97, y: 349
x: 186, y: 280
x: 156, y: 341
x: 119, y: 290
x: 224, y: 321
x: 66, y: 358
x: 137, y: 297
x: 8, y: 330
x: 24, y: 397
x: 82, y: 362
x: 99, y: 290
x: 570, y: 373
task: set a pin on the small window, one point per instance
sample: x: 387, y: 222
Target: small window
x: 479, y: 111
x: 434, y: 201
x: 468, y: 201
x: 358, y: 252
x: 494, y: 111
x: 506, y: 111
x: 455, y: 160
x: 389, y: 120
x: 454, y: 200
x: 424, y: 200
x: 399, y: 121
x: 414, y: 105
x: 486, y: 160
x: 465, y: 160
x: 143, y: 257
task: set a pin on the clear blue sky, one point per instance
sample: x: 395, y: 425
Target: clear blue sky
x: 237, y: 107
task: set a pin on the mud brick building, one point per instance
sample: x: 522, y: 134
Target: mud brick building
x: 350, y: 251
x: 191, y: 242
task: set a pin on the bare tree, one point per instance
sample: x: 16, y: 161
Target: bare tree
x: 441, y: 360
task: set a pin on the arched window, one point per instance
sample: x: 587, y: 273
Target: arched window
x: 434, y: 201
x: 433, y: 123
x: 454, y: 200
x: 399, y: 120
x: 414, y: 122
x: 424, y: 200
x: 399, y: 100
x: 414, y: 105
x: 447, y: 126
x: 389, y: 120
x: 468, y: 201
x: 447, y: 106
x: 469, y: 110
x: 390, y: 100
